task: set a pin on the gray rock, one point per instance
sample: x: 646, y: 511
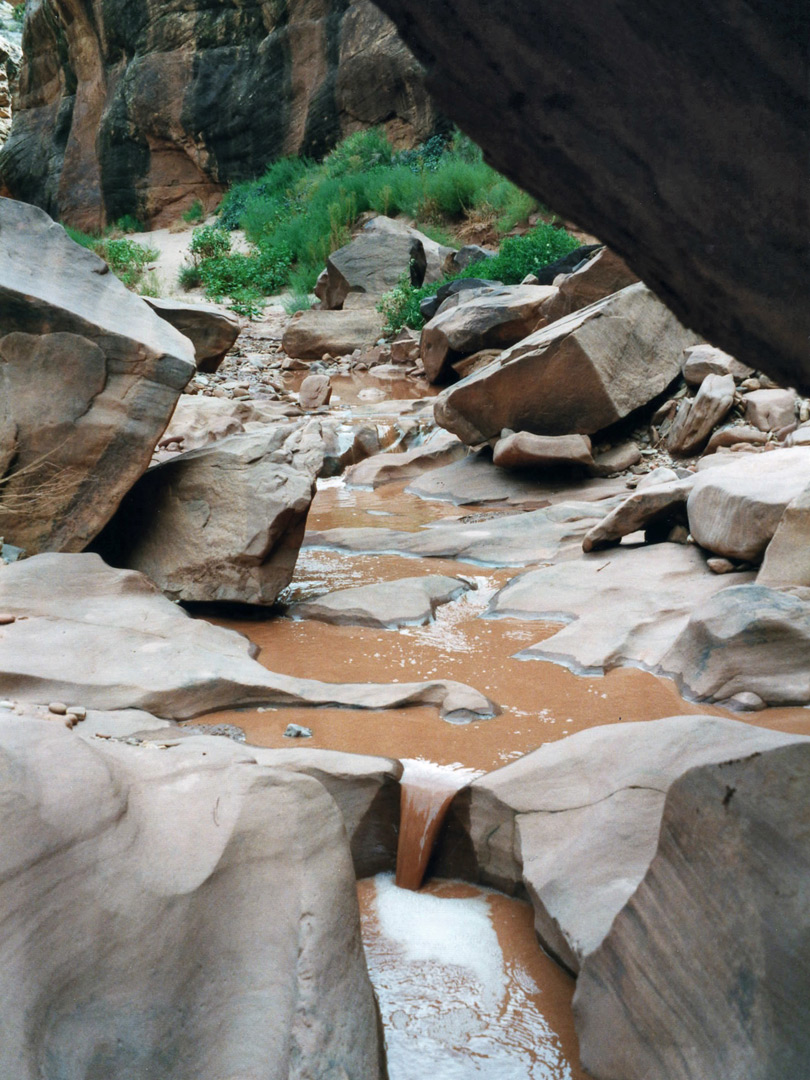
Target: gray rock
x: 223, y: 523
x: 577, y: 375
x: 697, y: 417
x: 109, y: 639
x: 575, y: 824
x: 657, y: 507
x: 390, y: 604
x: 439, y: 449
x: 211, y: 330
x: 770, y: 410
x: 119, y: 851
x: 296, y: 731
x: 734, y: 510
x: 704, y: 972
x: 88, y: 380
x: 625, y: 606
x: 787, y: 557
x: 748, y: 638
x: 467, y: 255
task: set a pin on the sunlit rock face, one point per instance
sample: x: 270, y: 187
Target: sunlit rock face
x: 143, y: 106
x: 681, y: 141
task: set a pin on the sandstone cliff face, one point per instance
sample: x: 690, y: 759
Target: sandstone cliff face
x: 142, y: 106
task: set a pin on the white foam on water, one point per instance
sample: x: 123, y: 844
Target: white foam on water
x: 450, y: 1007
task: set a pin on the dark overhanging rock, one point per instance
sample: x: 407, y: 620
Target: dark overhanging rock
x: 680, y: 140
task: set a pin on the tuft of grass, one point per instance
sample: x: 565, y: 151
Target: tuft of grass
x: 296, y: 301
x: 195, y: 213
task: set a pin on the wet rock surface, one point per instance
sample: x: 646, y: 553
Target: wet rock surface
x: 407, y: 602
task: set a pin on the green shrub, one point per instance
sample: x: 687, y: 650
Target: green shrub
x: 209, y: 243
x: 126, y: 258
x: 359, y: 152
x: 82, y: 238
x: 296, y: 301
x: 189, y: 277
x: 195, y: 213
x: 127, y: 224
x: 400, y: 306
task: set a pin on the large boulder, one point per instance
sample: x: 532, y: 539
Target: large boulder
x: 144, y: 944
x: 704, y: 973
x: 438, y: 449
x: 389, y: 604
x: 575, y: 824
x: 145, y: 110
x: 698, y: 416
x: 746, y: 640
x: 109, y: 640
x: 734, y: 510
x: 88, y: 380
x: 577, y: 375
x: 787, y: 557
x: 211, y: 330
x: 223, y: 523
x: 603, y: 274
x: 570, y: 116
x: 500, y: 318
x: 376, y: 259
x: 311, y: 334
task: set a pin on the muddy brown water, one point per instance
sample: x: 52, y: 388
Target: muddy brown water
x: 540, y: 702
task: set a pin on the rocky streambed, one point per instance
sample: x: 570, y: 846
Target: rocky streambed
x: 537, y: 627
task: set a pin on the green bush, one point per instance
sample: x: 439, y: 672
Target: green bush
x: 127, y: 259
x: 195, y: 213
x: 127, y: 224
x: 209, y: 243
x: 189, y: 277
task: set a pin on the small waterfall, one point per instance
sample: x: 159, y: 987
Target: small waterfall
x: 427, y: 791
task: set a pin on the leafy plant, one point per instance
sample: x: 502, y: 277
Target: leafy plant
x: 209, y: 242
x: 195, y: 213
x: 189, y: 277
x: 126, y: 224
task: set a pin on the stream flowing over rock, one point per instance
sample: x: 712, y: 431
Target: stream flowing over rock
x: 143, y: 945
x: 145, y: 107
x: 89, y: 376
x: 704, y: 973
x: 576, y: 822
x: 109, y: 639
x: 570, y: 117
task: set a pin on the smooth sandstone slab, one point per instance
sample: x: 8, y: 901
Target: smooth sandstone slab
x: 108, y: 639
x: 310, y: 334
x: 704, y: 973
x: 576, y: 822
x: 624, y: 606
x: 89, y: 376
x: 211, y: 330
x: 522, y: 450
x: 143, y: 941
x: 787, y: 557
x: 502, y: 540
x: 648, y: 506
x: 389, y: 604
x: 439, y: 449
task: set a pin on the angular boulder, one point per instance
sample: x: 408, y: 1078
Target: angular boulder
x: 439, y: 449
x: 211, y: 330
x: 770, y: 410
x: 697, y: 417
x: 500, y: 318
x: 223, y: 523
x: 89, y: 376
x: 574, y: 376
x: 787, y: 557
x: 128, y: 859
x: 702, y: 360
x: 734, y: 510
x: 108, y: 639
x: 704, y: 972
x: 660, y: 505
x: 310, y: 334
x: 603, y: 274
x: 746, y: 639
x: 575, y: 824
x: 522, y: 450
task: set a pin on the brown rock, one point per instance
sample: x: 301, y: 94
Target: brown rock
x: 787, y: 556
x: 498, y: 319
x: 88, y: 380
x: 315, y: 391
x: 734, y: 434
x: 211, y: 331
x: 522, y: 450
x: 616, y: 460
x: 662, y: 211
x: 577, y: 375
x: 663, y: 505
x: 310, y: 334
x: 702, y: 360
x: 602, y: 275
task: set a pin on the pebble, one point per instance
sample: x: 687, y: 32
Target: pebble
x: 6, y: 704
x: 78, y: 711
x: 746, y: 701
x: 58, y: 708
x: 721, y: 566
x: 6, y: 619
x: 296, y: 731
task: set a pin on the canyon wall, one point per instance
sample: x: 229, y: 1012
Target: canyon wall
x: 678, y: 136
x: 142, y: 106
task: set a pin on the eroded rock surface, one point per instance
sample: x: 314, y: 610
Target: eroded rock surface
x: 211, y: 330
x: 89, y: 376
x: 178, y: 854
x: 704, y: 972
x: 576, y: 822
x: 390, y: 604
